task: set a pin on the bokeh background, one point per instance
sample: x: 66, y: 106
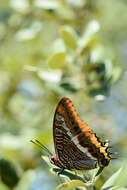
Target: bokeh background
x: 55, y: 48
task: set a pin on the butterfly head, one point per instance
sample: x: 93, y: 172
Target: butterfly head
x: 103, y: 162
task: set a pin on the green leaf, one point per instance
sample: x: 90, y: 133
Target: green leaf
x: 69, y: 36
x: 3, y: 187
x: 57, y: 60
x: 89, y: 36
x: 109, y: 68
x: 47, y: 5
x: 116, y: 188
x: 65, y: 12
x: 58, y: 46
x: 8, y: 173
x: 25, y: 181
x: 116, y: 74
x: 122, y: 180
x: 71, y: 184
x: 50, y: 76
x: 112, y: 180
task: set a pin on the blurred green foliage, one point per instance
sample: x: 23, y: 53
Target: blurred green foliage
x: 53, y: 48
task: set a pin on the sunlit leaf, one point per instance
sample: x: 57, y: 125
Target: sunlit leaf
x: 57, y: 60
x: 3, y: 187
x: 25, y: 181
x: 122, y: 180
x: 116, y: 73
x: 21, y: 6
x: 97, y: 54
x: 89, y: 35
x: 50, y: 76
x: 65, y: 12
x: 108, y: 68
x: 71, y: 184
x: 58, y: 46
x: 111, y: 188
x: 91, y: 29
x: 48, y: 4
x: 29, y: 33
x: 77, y: 3
x: 112, y: 180
x: 69, y: 36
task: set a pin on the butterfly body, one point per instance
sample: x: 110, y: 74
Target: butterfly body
x: 76, y: 146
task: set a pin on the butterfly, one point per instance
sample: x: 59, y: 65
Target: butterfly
x: 76, y: 146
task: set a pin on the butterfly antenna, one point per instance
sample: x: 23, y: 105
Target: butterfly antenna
x: 38, y: 143
x: 46, y: 149
x: 114, y: 158
x: 112, y: 154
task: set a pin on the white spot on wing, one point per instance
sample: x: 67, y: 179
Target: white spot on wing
x: 83, y: 149
x: 60, y: 118
x: 61, y: 121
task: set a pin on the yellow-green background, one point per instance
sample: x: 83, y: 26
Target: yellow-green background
x: 46, y: 48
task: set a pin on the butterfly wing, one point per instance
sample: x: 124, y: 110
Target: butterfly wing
x: 65, y: 131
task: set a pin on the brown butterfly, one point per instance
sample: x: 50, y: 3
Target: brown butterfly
x: 76, y: 145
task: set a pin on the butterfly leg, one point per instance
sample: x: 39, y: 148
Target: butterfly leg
x: 99, y: 171
x: 61, y: 171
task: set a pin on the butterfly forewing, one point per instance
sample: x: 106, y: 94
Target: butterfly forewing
x: 69, y: 151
